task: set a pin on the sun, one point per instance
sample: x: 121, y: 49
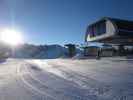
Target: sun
x: 11, y: 36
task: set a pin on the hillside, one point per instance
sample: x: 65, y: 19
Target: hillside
x: 40, y: 52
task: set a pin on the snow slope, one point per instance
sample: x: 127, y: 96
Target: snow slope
x: 66, y: 79
x: 107, y: 79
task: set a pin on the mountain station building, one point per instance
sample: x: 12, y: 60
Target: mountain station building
x: 111, y: 31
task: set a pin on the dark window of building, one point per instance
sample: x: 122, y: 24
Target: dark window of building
x: 125, y: 28
x: 97, y: 29
x: 124, y: 25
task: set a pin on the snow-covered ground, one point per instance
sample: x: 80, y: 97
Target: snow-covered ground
x: 66, y: 79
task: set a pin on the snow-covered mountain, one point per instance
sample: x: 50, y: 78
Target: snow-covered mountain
x: 35, y: 51
x: 40, y: 52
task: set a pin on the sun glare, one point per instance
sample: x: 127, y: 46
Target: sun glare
x: 11, y: 37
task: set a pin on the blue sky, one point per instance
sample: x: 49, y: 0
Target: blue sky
x: 59, y: 21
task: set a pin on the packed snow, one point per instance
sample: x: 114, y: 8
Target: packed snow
x: 66, y: 79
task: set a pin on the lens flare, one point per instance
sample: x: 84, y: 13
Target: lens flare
x: 11, y: 37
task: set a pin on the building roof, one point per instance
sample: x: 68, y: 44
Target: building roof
x: 122, y: 24
x: 118, y: 22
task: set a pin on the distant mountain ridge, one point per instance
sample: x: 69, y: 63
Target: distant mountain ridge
x: 39, y: 52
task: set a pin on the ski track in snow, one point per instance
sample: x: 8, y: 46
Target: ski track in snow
x: 63, y: 79
x: 56, y: 94
x: 113, y: 91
